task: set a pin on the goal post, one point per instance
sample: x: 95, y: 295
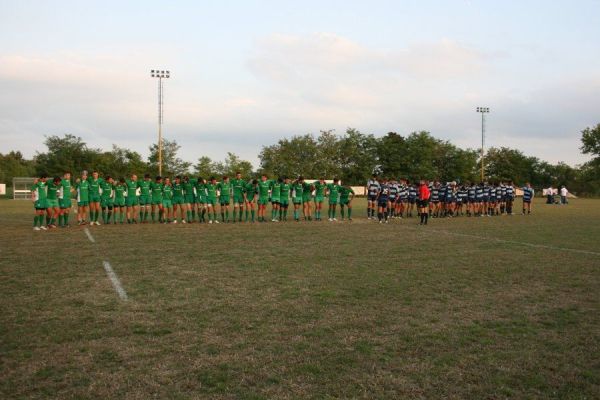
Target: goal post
x: 22, y: 188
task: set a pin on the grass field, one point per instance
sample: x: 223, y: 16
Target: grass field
x: 308, y: 310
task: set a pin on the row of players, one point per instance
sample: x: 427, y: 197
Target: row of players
x: 389, y: 199
x: 160, y: 199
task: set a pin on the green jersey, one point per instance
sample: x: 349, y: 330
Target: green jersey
x: 156, y: 189
x: 200, y: 191
x: 188, y: 187
x: 334, y: 191
x: 39, y: 191
x: 211, y: 191
x: 285, y: 191
x: 95, y: 186
x: 167, y: 192
x: 66, y: 189
x: 320, y: 189
x: 238, y: 186
x: 52, y: 191
x: 106, y: 190
x: 132, y: 187
x: 224, y: 189
x: 120, y: 192
x: 306, y: 191
x: 263, y: 188
x: 251, y: 191
x: 297, y: 189
x: 177, y: 190
x: 345, y: 193
x: 276, y: 190
x: 144, y: 186
x: 83, y: 191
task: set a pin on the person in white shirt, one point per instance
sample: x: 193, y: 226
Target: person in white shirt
x: 563, y: 195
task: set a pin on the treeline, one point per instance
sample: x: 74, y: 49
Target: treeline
x: 352, y: 157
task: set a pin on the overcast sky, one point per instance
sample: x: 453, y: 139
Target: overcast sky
x: 246, y: 73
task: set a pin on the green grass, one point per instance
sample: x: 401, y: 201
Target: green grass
x: 308, y: 310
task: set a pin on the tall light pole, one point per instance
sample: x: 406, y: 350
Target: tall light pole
x: 160, y: 74
x: 483, y: 111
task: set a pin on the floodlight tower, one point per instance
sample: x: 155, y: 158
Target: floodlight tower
x: 483, y: 111
x: 160, y: 74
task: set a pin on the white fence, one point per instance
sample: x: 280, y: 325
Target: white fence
x: 22, y: 188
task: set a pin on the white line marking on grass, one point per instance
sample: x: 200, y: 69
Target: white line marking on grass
x: 115, y: 280
x: 539, y: 246
x: 89, y: 235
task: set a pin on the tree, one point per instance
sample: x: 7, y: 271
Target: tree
x: 172, y: 165
x: 502, y: 164
x: 234, y: 164
x: 14, y: 164
x: 358, y: 157
x: 590, y: 139
x: 68, y: 153
x: 291, y: 157
x: 205, y: 168
x: 121, y: 162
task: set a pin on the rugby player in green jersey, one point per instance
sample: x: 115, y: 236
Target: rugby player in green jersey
x: 211, y: 200
x: 201, y: 198
x: 320, y: 187
x: 264, y: 187
x: 178, y: 199
x: 333, y: 192
x: 250, y: 194
x: 83, y: 197
x: 106, y: 199
x: 297, y: 189
x: 189, y: 198
x: 284, y: 198
x: 52, y: 191
x: 38, y: 196
x: 306, y: 200
x: 275, y: 199
x: 224, y: 188
x: 238, y: 185
x: 167, y: 201
x: 64, y: 200
x: 120, y: 192
x: 156, y: 189
x: 144, y: 199
x: 95, y: 182
x: 131, y: 200
x: 346, y: 197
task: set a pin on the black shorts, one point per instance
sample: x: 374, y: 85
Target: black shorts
x: 382, y: 203
x: 372, y: 197
x: 422, y: 203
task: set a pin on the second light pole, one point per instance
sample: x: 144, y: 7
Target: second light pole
x: 483, y: 111
x: 160, y: 74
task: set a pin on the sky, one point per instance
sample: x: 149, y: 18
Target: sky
x: 245, y: 74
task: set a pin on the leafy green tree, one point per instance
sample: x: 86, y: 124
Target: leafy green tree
x: 358, y: 157
x: 590, y: 141
x: 171, y: 164
x: 67, y: 153
x: 291, y: 157
x: 13, y: 164
x: 233, y: 164
x: 121, y: 162
x: 206, y: 168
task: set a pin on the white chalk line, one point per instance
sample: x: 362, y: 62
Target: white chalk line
x: 115, y: 280
x: 89, y: 235
x: 539, y: 246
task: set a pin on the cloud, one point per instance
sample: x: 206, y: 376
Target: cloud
x: 293, y: 84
